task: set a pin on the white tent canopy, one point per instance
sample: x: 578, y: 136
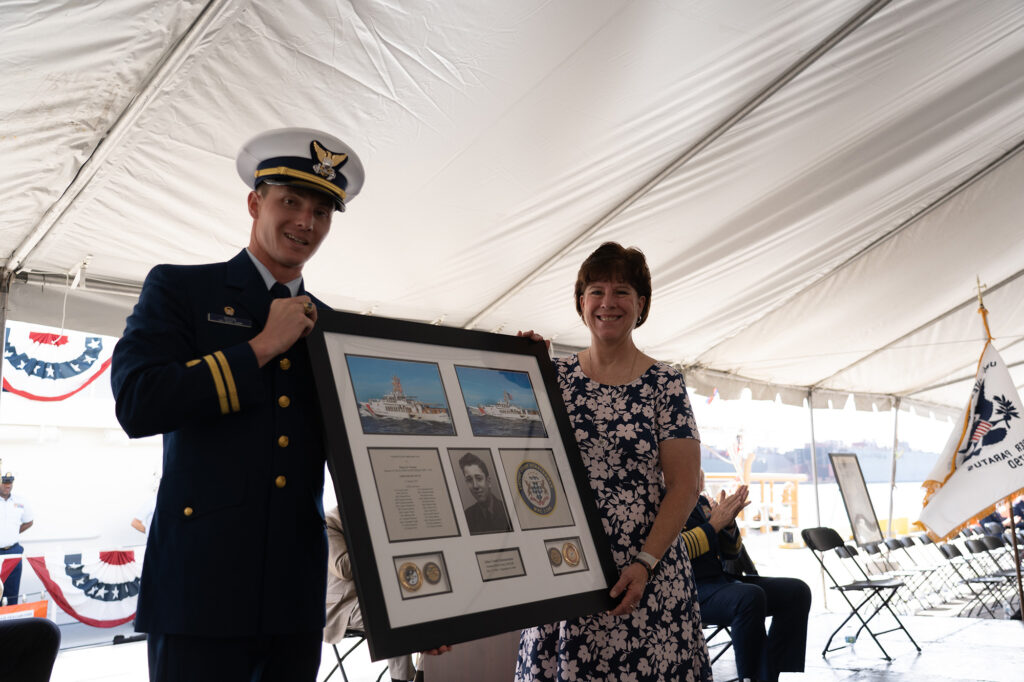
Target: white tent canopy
x: 816, y: 184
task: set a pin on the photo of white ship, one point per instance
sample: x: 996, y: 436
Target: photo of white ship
x: 399, y: 396
x: 500, y: 402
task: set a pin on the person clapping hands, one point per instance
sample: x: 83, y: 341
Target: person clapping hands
x: 726, y: 508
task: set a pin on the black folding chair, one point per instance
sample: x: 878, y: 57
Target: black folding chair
x: 993, y: 528
x: 936, y: 587
x: 970, y: 577
x: 1008, y: 543
x: 917, y: 577
x: 719, y: 647
x: 948, y: 576
x: 985, y: 549
x: 999, y: 552
x: 877, y: 593
x: 359, y: 636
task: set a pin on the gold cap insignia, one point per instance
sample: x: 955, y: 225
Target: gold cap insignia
x: 328, y: 160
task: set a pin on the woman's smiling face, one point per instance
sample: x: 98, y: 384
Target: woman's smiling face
x: 610, y: 309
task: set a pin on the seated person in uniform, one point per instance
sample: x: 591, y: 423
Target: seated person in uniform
x: 1016, y: 511
x: 995, y: 519
x: 742, y: 602
x: 342, y: 602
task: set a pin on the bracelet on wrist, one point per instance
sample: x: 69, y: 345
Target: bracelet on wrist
x: 646, y: 568
x: 648, y: 559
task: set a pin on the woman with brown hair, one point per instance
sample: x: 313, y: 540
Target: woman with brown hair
x: 639, y: 442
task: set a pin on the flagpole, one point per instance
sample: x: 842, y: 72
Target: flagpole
x: 1009, y: 500
x: 5, y: 289
x: 1016, y: 555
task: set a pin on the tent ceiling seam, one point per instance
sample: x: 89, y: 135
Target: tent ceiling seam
x: 164, y: 68
x: 1018, y: 147
x: 965, y: 377
x: 779, y: 82
x: 934, y: 320
x: 938, y: 202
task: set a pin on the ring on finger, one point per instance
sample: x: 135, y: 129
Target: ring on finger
x: 308, y: 308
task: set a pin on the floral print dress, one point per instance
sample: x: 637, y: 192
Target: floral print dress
x: 618, y: 429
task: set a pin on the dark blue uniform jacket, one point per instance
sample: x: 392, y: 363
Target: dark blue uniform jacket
x: 237, y: 545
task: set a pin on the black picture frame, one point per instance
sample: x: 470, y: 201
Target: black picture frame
x: 458, y: 607
x: 856, y: 499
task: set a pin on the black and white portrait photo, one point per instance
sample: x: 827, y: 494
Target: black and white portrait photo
x: 481, y: 494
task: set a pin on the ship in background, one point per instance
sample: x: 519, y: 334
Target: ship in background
x: 398, y: 405
x: 506, y: 410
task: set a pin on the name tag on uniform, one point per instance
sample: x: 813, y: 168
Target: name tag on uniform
x: 228, y: 319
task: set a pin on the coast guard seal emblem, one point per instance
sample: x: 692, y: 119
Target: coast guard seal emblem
x: 536, y: 488
x: 990, y: 422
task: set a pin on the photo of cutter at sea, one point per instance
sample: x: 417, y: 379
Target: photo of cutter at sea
x: 424, y: 411
x: 500, y: 402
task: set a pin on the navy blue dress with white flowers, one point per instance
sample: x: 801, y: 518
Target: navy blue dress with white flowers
x: 618, y: 429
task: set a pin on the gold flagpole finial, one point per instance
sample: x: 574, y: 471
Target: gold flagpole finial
x: 981, y: 307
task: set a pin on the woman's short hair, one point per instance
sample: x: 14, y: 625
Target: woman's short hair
x: 612, y: 262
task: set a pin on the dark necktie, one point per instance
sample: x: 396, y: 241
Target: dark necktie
x: 280, y: 291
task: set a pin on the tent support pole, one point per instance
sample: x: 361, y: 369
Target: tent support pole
x: 817, y: 504
x: 895, y: 444
x: 814, y: 459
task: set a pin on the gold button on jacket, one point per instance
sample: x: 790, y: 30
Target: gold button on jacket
x: 285, y: 363
x: 284, y: 401
x: 280, y: 481
x: 282, y: 441
x: 188, y: 511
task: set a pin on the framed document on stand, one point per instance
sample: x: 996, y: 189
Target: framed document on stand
x: 854, y: 490
x: 466, y: 506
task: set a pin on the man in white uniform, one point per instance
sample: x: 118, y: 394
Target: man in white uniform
x: 15, y: 518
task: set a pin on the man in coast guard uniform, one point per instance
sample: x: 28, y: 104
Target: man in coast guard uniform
x: 214, y: 358
x: 15, y: 518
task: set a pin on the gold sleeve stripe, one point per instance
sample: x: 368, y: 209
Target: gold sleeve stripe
x: 733, y: 547
x: 218, y: 383
x: 229, y: 379
x: 193, y: 363
x: 696, y: 542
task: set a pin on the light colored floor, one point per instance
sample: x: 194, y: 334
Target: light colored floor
x: 127, y: 663
x: 953, y: 649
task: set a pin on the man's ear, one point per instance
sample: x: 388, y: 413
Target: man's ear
x: 253, y: 202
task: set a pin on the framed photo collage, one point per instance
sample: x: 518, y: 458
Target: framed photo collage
x: 466, y: 507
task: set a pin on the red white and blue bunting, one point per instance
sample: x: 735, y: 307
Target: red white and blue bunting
x: 43, y: 363
x: 100, y: 589
x: 7, y: 566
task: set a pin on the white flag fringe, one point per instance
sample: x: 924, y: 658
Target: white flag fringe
x: 983, y: 461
